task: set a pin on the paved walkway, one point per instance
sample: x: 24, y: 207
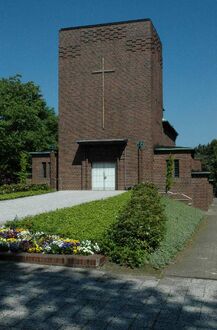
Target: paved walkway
x: 22, y: 207
x: 200, y: 260
x: 50, y: 298
x: 34, y: 297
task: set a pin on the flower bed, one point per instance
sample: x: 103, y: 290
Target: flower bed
x: 22, y: 240
x: 23, y: 246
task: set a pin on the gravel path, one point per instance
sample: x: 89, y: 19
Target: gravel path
x: 22, y: 207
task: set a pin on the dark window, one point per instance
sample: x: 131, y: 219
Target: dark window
x: 44, y: 170
x: 176, y: 168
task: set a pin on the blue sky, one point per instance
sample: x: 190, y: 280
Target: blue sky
x: 187, y: 28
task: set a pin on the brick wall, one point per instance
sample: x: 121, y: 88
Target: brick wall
x: 181, y: 184
x: 133, y: 99
x: 37, y: 169
x: 196, y: 165
x: 202, y: 193
x: 50, y: 159
x: 167, y: 141
x: 198, y: 189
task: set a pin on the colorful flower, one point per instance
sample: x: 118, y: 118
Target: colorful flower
x: 22, y: 240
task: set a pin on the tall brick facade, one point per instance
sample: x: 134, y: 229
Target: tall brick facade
x: 111, y: 108
x: 132, y: 101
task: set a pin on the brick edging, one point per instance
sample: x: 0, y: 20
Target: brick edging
x: 91, y: 261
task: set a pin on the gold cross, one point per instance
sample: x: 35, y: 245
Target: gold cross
x: 103, y: 71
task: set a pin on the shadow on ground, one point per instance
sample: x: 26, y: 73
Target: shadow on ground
x: 45, y: 297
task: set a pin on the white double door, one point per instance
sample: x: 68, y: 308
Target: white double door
x: 103, y: 176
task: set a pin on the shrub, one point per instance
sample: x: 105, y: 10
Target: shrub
x: 11, y: 188
x: 139, y: 228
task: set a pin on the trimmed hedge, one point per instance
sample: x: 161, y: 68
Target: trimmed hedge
x: 139, y: 228
x: 20, y: 187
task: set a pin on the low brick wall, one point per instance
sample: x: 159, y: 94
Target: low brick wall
x: 92, y: 261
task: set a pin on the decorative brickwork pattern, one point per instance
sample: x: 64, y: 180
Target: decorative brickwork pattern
x: 134, y: 45
x: 70, y: 51
x: 103, y: 34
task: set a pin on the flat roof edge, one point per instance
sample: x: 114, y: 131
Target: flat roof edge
x: 101, y: 141
x: 173, y: 149
x: 200, y: 172
x: 40, y: 152
x: 105, y: 24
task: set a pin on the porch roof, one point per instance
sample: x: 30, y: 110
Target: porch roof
x: 173, y: 149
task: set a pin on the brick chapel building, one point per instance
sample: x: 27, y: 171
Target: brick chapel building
x: 112, y: 134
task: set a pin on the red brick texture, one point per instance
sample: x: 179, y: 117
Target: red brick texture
x: 196, y: 165
x: 167, y: 141
x: 198, y: 189
x: 50, y: 159
x: 92, y: 261
x: 133, y: 100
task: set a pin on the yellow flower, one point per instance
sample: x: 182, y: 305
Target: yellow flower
x: 18, y: 230
x: 12, y: 239
x: 31, y: 250
x: 67, y: 240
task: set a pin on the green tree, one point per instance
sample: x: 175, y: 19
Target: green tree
x: 169, y: 174
x: 208, y: 156
x: 26, y: 124
x: 23, y: 174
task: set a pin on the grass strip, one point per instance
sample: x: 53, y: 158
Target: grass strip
x: 181, y: 224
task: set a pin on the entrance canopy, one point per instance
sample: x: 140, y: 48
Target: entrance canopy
x: 104, y: 141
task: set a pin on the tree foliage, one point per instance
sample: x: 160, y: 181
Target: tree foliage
x: 26, y: 124
x: 208, y: 156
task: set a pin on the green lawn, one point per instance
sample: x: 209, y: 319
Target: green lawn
x: 85, y: 221
x: 90, y: 220
x: 20, y: 194
x: 181, y: 224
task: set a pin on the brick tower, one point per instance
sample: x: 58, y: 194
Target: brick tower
x: 110, y: 104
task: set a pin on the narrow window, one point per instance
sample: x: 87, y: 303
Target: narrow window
x: 176, y: 168
x: 44, y: 170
